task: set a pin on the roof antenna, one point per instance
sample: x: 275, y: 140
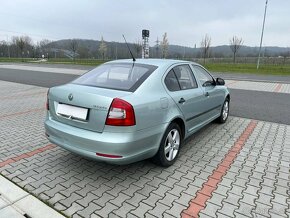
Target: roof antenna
x: 129, y: 49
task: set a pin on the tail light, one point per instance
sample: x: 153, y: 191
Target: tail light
x: 47, y: 101
x: 121, y: 113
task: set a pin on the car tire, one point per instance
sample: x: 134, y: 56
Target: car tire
x: 224, y: 112
x: 170, y: 146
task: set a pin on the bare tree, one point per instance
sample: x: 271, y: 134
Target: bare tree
x: 164, y: 46
x: 22, y: 42
x: 235, y: 45
x: 103, y: 48
x: 157, y: 47
x: 205, y: 46
x: 73, y: 46
x: 285, y: 55
x: 138, y: 47
x: 44, y: 46
x: 4, y: 46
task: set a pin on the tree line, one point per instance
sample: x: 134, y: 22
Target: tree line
x: 23, y: 47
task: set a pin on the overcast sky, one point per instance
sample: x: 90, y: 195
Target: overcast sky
x: 185, y: 21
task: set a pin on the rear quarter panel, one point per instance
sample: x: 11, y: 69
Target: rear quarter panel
x: 152, y: 104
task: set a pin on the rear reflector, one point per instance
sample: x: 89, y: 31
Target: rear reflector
x: 121, y: 113
x: 47, y: 101
x: 108, y: 155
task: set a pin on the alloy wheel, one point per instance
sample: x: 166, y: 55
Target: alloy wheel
x: 172, y: 144
x: 225, y: 110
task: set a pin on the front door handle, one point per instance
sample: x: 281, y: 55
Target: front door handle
x: 206, y: 94
x: 181, y: 101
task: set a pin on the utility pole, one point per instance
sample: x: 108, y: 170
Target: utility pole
x: 258, y: 63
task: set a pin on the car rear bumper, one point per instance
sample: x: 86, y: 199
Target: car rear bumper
x: 132, y: 146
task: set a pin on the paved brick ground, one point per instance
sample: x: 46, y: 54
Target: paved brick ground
x: 254, y: 183
x: 259, y: 86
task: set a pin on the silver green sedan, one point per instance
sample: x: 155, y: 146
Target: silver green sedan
x: 124, y: 111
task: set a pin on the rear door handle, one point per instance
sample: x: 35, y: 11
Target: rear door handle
x: 206, y: 94
x: 181, y: 101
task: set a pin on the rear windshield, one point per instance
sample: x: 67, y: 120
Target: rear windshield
x: 124, y: 76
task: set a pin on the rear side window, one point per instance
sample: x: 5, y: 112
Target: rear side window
x: 123, y: 76
x: 180, y: 78
x: 171, y: 81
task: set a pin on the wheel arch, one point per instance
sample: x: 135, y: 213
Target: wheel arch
x: 228, y: 97
x: 181, y: 124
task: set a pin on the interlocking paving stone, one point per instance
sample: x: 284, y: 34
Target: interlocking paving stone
x: 176, y: 209
x: 210, y: 210
x: 168, y: 199
x: 141, y: 210
x: 89, y: 210
x: 257, y: 182
x: 136, y: 199
x: 73, y: 209
x: 106, y: 210
x: 152, y: 199
x: 120, y: 199
x: 228, y: 209
x: 124, y: 209
x: 159, y: 209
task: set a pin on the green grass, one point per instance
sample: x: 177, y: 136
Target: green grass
x: 90, y: 62
x: 15, y: 60
x: 267, y: 69
x: 249, y: 68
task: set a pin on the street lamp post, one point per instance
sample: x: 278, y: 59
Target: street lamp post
x: 258, y: 63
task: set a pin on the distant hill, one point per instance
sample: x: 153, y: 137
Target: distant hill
x: 90, y: 49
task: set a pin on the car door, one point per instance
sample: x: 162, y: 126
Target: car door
x: 183, y: 89
x: 212, y: 94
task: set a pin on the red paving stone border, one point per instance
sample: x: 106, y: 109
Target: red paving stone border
x: 26, y: 155
x: 204, y: 194
x: 278, y: 87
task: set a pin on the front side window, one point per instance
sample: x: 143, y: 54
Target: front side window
x: 180, y: 78
x: 203, y: 76
x: 123, y: 76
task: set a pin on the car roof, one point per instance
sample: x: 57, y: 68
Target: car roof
x: 151, y: 61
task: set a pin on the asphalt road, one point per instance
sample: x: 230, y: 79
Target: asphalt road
x: 267, y: 106
x: 43, y: 79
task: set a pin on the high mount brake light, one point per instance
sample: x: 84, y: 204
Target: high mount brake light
x: 121, y: 113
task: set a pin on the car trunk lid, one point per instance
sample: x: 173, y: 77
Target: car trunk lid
x: 81, y: 106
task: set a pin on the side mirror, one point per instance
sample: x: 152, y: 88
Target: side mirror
x: 220, y: 82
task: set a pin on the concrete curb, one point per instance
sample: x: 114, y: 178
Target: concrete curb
x: 257, y: 80
x: 15, y: 202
